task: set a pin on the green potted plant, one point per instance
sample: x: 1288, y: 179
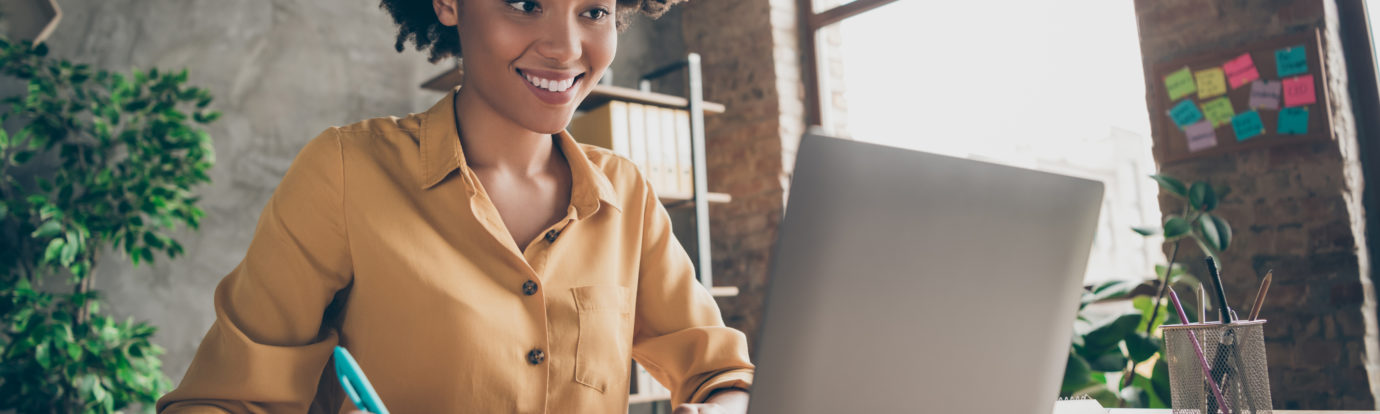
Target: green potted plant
x: 96, y: 161
x: 1117, y: 359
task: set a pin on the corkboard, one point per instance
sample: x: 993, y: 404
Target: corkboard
x: 1171, y: 142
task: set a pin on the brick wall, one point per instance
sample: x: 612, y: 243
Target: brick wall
x: 748, y: 50
x: 1295, y: 209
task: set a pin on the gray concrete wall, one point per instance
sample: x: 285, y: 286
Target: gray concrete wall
x: 281, y: 72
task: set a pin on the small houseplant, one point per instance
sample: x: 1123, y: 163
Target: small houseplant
x: 1128, y: 344
x: 96, y: 160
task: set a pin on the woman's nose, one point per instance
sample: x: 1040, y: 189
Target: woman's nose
x: 560, y: 41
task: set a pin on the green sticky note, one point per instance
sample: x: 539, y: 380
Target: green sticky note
x: 1293, y: 121
x: 1247, y: 125
x: 1291, y: 61
x: 1180, y: 83
x: 1185, y: 113
x: 1219, y: 111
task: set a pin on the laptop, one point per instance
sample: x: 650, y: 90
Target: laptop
x: 908, y: 282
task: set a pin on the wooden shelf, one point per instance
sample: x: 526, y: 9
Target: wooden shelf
x: 675, y: 200
x: 724, y: 291
x: 601, y: 94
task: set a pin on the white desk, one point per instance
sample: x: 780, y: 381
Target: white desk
x: 1164, y: 411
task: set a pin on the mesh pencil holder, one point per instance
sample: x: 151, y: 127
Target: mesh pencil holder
x: 1235, y: 355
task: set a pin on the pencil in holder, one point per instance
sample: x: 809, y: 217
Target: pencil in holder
x: 1235, y: 354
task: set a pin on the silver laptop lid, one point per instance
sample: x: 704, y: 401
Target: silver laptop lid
x: 911, y: 282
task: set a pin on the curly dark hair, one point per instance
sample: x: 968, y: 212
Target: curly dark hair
x: 417, y: 22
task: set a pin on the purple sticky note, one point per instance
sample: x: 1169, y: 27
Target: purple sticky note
x: 1265, y: 94
x: 1201, y: 136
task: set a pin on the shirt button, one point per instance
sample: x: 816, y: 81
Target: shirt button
x: 551, y: 235
x: 529, y: 288
x: 536, y: 356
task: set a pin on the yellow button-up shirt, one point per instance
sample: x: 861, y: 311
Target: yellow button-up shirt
x: 381, y: 239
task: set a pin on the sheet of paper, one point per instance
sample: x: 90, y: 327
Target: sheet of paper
x: 1247, y: 125
x: 1219, y: 111
x: 1241, y: 70
x: 1265, y: 94
x: 1291, y: 61
x: 1298, y: 91
x: 1293, y: 121
x: 1078, y: 407
x: 1210, y: 83
x: 1186, y: 112
x: 1179, y: 84
x: 1200, y: 136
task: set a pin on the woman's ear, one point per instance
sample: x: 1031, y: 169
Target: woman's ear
x: 447, y: 11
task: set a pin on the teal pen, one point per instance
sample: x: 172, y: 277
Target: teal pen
x: 356, y: 385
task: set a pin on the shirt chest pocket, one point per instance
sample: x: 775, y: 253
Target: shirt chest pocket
x: 602, y: 351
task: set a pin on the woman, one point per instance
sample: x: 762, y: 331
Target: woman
x: 473, y: 257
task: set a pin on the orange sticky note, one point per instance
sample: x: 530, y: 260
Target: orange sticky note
x: 1211, y: 82
x: 1298, y: 91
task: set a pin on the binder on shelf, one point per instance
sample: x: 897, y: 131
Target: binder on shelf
x: 652, y: 135
x: 605, y: 126
x: 685, y: 173
x: 670, y: 152
x: 637, y: 127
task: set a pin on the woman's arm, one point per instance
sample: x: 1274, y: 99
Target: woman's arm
x: 679, y: 335
x: 267, y: 348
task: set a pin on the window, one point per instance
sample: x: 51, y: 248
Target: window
x: 1047, y: 86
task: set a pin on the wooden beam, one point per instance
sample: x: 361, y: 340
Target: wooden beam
x: 845, y: 11
x: 809, y: 62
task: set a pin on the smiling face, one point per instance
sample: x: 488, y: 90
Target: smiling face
x: 533, y: 61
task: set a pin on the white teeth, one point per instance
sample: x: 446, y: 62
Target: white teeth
x: 550, y: 85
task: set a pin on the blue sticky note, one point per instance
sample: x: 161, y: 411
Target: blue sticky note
x: 1293, y: 121
x: 1291, y: 61
x: 1247, y: 125
x: 1185, y: 113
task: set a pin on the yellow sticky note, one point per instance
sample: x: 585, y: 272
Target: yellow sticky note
x: 1211, y: 82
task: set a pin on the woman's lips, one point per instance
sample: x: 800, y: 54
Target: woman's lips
x: 548, y: 96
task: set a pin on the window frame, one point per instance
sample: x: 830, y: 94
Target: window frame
x: 810, y: 23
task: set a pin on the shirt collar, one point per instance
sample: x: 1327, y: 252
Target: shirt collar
x: 442, y: 155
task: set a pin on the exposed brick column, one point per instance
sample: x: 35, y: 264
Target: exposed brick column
x: 1295, y: 209
x: 748, y: 50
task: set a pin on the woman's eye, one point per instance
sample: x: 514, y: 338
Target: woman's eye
x: 597, y: 14
x: 523, y: 5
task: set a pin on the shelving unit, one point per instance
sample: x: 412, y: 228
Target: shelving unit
x: 698, y: 199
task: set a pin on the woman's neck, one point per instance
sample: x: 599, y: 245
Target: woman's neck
x: 493, y: 142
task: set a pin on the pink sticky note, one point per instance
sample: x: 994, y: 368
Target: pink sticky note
x: 1200, y: 136
x: 1240, y: 71
x: 1298, y: 91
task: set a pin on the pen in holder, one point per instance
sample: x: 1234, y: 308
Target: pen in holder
x: 1236, y: 355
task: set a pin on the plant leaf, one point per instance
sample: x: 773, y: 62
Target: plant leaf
x: 1141, y: 347
x: 48, y: 229
x: 54, y: 250
x: 1175, y: 227
x: 1077, y: 375
x: 1216, y: 232
x: 1201, y: 196
x: 1146, y: 231
x: 1107, y: 336
x: 1172, y: 184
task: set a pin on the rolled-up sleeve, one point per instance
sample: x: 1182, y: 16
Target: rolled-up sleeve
x: 267, y: 348
x: 680, y: 336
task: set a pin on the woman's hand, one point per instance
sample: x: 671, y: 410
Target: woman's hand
x: 731, y: 401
